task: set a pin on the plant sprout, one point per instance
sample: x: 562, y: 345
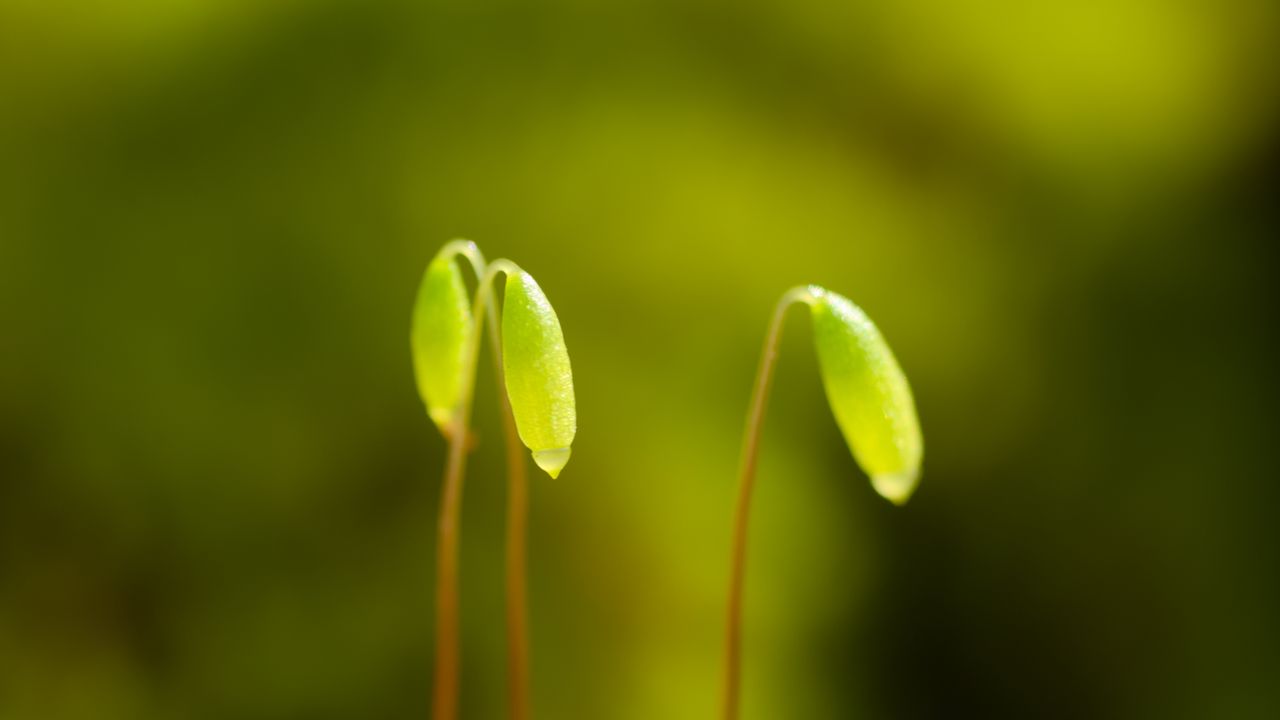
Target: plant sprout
x: 537, y: 403
x: 539, y: 379
x: 873, y: 407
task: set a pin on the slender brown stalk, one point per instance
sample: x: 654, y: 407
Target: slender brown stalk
x: 746, y: 483
x: 519, y: 707
x: 444, y: 704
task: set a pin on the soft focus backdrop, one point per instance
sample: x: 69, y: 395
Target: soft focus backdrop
x: 218, y: 486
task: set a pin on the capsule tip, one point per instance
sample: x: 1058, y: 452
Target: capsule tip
x: 896, y: 487
x: 552, y: 461
x: 442, y: 417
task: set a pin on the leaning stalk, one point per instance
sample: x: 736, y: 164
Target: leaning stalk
x: 746, y: 483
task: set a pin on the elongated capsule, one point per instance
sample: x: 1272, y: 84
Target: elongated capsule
x: 539, y: 379
x: 869, y: 395
x: 442, y: 327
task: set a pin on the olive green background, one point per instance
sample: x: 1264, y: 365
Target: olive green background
x: 218, y: 485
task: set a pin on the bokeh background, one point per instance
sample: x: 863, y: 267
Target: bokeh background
x: 218, y: 486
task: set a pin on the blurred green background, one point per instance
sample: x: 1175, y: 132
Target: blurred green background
x: 218, y: 485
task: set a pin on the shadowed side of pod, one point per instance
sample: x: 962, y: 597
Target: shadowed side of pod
x: 442, y: 328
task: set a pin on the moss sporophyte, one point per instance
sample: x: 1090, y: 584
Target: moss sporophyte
x: 535, y: 381
x: 873, y: 407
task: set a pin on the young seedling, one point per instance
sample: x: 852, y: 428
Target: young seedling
x: 872, y: 404
x: 537, y: 402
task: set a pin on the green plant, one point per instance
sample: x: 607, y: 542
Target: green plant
x: 535, y: 384
x: 873, y: 406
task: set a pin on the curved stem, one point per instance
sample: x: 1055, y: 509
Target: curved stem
x: 746, y: 483
x: 445, y: 694
x: 444, y: 703
x: 519, y: 706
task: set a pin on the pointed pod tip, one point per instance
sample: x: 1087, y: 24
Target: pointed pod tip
x: 896, y: 487
x: 442, y: 417
x: 552, y: 461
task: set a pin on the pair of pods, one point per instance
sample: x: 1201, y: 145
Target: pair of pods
x: 865, y: 387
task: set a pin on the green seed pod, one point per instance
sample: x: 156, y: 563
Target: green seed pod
x: 539, y: 379
x: 442, y: 327
x: 869, y: 395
